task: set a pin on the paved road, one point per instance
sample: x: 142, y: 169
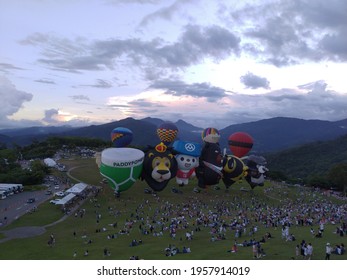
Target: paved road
x: 16, y: 205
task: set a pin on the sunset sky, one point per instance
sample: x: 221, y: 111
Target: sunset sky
x: 210, y: 63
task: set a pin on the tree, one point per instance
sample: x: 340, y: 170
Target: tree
x: 338, y: 176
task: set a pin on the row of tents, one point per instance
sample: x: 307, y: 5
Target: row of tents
x: 78, y: 190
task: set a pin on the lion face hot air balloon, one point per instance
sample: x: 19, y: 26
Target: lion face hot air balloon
x: 240, y: 143
x: 121, y: 137
x: 159, y: 167
x: 167, y: 132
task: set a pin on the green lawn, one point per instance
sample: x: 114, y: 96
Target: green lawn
x: 139, y: 208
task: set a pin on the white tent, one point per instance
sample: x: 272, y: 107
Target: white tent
x: 65, y: 199
x: 78, y: 188
x: 49, y: 162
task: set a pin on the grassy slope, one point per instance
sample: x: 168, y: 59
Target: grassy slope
x: 124, y: 208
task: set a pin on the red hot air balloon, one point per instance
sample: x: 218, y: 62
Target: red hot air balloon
x: 240, y: 143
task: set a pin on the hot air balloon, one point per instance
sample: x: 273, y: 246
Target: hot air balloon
x: 121, y: 137
x: 210, y: 135
x: 234, y: 170
x: 240, y: 143
x: 159, y: 167
x: 121, y: 167
x: 167, y: 132
x: 187, y: 157
x: 256, y: 170
x: 209, y: 171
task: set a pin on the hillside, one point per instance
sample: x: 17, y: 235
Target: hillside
x: 281, y: 133
x: 314, y: 158
x: 269, y: 135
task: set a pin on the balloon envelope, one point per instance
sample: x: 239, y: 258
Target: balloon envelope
x: 121, y: 167
x: 187, y: 148
x: 240, y: 143
x: 121, y: 137
x: 167, y: 132
x: 210, y: 135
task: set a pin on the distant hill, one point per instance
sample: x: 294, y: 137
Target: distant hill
x: 35, y: 130
x: 144, y: 133
x: 186, y: 131
x: 4, y: 139
x: 281, y: 133
x: 24, y: 136
x: 314, y: 158
x: 269, y: 135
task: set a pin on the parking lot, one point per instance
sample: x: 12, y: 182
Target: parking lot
x: 14, y: 206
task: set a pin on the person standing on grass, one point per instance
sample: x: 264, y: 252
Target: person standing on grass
x: 328, y: 250
x: 309, y: 251
x: 254, y: 250
x: 297, y: 251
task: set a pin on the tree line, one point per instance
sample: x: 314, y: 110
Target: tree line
x: 321, y: 164
x: 12, y: 171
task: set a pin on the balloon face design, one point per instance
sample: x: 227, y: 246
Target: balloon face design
x: 167, y: 132
x: 186, y: 168
x: 233, y: 170
x: 121, y: 137
x: 257, y: 170
x: 187, y: 157
x: 209, y: 171
x: 121, y: 167
x: 240, y: 143
x: 159, y: 167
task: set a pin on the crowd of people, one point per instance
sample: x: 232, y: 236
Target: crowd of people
x: 237, y: 219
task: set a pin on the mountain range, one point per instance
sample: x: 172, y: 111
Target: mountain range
x: 269, y: 135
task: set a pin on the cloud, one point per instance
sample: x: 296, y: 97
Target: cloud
x: 193, y: 46
x: 5, y: 67
x: 116, y: 2
x: 197, y: 90
x: 164, y: 13
x: 80, y: 97
x: 51, y: 116
x: 45, y: 81
x: 12, y: 99
x: 58, y: 117
x: 252, y: 81
x: 100, y: 83
x: 143, y: 103
x: 311, y: 101
x: 292, y: 32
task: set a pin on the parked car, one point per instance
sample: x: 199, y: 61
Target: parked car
x: 60, y: 194
x: 54, y: 201
x: 31, y: 200
x: 48, y: 192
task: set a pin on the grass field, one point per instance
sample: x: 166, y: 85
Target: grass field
x: 135, y: 211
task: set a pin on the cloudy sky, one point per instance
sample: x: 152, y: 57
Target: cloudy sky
x: 210, y: 63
